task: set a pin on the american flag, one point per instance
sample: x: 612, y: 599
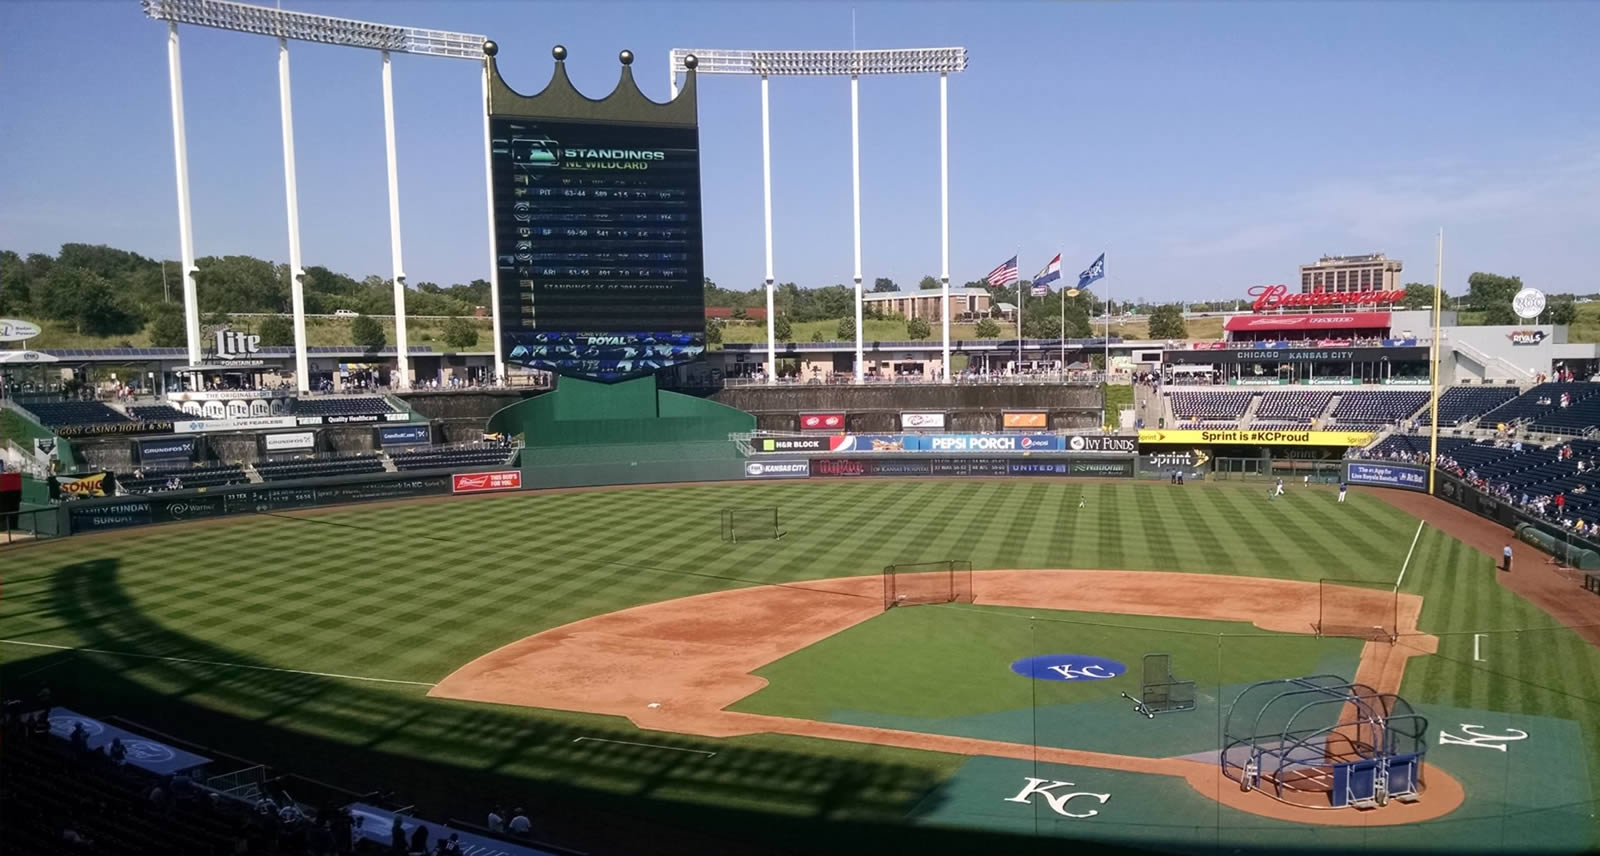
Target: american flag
x: 1005, y: 274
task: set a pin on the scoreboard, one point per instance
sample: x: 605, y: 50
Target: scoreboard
x: 598, y: 245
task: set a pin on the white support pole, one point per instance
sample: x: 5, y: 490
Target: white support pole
x: 766, y: 203
x: 672, y: 77
x: 180, y: 154
x: 944, y: 212
x: 855, y: 179
x: 297, y: 298
x: 494, y: 261
x: 403, y: 381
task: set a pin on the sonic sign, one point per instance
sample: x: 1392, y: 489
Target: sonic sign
x: 1268, y: 297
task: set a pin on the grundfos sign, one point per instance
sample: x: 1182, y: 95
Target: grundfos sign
x: 1267, y: 297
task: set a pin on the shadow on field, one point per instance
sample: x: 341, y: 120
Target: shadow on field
x: 456, y: 759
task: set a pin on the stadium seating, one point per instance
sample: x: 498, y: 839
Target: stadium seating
x: 57, y: 413
x: 365, y: 406
x: 1296, y: 407
x: 1378, y: 407
x: 446, y: 458
x: 1460, y: 404
x: 161, y: 413
x: 204, y: 475
x: 1210, y: 406
x: 311, y: 468
x: 1534, y: 470
x: 1541, y: 400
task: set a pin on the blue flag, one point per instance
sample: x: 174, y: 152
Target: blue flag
x: 1095, y: 271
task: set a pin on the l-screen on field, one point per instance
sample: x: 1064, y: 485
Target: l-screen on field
x: 603, y: 639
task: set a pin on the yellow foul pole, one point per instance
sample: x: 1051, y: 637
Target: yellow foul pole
x: 1433, y: 359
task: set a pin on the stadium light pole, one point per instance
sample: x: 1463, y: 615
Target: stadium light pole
x: 291, y: 192
x: 284, y: 25
x: 852, y: 64
x: 766, y: 206
x: 402, y: 352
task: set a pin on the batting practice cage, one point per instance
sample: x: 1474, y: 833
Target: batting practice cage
x: 1323, y: 742
x: 947, y: 581
x: 1358, y: 609
x: 750, y: 524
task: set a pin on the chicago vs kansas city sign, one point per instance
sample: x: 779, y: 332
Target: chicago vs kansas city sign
x: 1267, y: 297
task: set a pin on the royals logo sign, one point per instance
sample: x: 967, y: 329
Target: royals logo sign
x: 1267, y: 297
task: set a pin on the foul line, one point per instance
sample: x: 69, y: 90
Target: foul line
x: 1420, y: 524
x: 213, y: 663
x: 646, y: 745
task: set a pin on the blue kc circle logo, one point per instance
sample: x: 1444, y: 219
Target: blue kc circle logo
x: 1068, y: 667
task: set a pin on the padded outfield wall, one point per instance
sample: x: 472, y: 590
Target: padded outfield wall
x: 975, y: 407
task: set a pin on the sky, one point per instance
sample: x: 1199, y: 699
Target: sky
x: 1204, y: 147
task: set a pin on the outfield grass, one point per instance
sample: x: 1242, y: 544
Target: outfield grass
x: 408, y: 593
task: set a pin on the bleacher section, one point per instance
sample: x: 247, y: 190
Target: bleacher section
x: 161, y: 413
x: 365, y: 406
x: 205, y: 475
x: 1227, y: 406
x: 1292, y: 407
x: 1541, y: 401
x: 441, y: 458
x: 1460, y: 404
x: 54, y: 414
x: 311, y: 468
x: 1534, y: 470
x: 1373, y: 408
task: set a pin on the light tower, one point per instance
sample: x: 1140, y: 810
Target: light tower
x: 851, y: 64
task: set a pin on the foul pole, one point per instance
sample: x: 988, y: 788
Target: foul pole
x: 1433, y: 368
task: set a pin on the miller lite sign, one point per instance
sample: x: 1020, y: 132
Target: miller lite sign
x: 238, y: 349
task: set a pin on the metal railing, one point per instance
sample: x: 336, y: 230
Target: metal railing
x: 31, y: 525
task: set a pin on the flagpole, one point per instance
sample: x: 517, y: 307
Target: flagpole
x: 1062, y: 293
x: 1020, y: 301
x: 1105, y: 370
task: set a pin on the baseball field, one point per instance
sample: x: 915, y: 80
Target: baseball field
x: 609, y: 646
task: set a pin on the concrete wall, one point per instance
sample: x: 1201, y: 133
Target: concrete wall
x: 477, y: 404
x: 1488, y: 353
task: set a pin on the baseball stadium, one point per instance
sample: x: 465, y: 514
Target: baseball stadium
x: 1321, y: 582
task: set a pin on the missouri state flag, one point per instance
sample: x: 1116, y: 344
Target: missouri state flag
x: 1050, y: 273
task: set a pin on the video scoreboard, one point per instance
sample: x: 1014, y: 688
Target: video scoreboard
x: 598, y: 245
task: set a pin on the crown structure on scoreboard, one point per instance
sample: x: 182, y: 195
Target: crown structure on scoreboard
x: 561, y: 100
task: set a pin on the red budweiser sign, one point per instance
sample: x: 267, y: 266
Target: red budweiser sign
x: 478, y: 482
x: 822, y: 422
x: 1278, y: 297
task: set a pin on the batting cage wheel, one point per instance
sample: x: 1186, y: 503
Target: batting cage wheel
x: 750, y: 524
x: 912, y: 583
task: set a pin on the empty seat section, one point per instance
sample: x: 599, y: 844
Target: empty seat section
x: 1460, y: 404
x: 1210, y: 406
x: 1292, y: 407
x: 1378, y: 407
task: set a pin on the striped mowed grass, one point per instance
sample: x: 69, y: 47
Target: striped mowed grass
x: 410, y: 592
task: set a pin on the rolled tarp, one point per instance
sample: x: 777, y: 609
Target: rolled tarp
x: 1575, y: 555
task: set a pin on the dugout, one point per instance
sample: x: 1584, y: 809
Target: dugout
x: 1321, y: 741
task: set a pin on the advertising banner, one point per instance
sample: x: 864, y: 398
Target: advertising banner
x: 166, y: 448
x: 838, y: 467
x: 238, y: 423
x: 195, y: 507
x: 1387, y: 475
x: 100, y: 429
x: 88, y: 516
x: 289, y: 442
x: 990, y: 443
x: 822, y: 422
x: 878, y: 443
x: 480, y: 482
x: 1122, y: 469
x: 971, y: 467
x: 44, y: 447
x: 922, y: 421
x: 405, y: 435
x: 110, y: 516
x: 901, y: 467
x: 1186, y: 460
x: 779, y: 445
x: 1265, y: 437
x: 1036, y: 468
x: 794, y: 468
x: 1024, y: 419
x: 77, y: 487
x: 1102, y: 443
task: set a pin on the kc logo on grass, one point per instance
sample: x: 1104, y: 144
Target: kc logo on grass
x: 1068, y: 667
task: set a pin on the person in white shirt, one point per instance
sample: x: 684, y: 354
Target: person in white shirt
x: 497, y: 821
x: 520, y: 825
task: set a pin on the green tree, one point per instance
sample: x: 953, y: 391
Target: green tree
x: 928, y: 283
x: 816, y: 335
x: 1420, y: 296
x: 1562, y: 310
x: 367, y: 333
x: 713, y: 331
x: 917, y: 328
x: 13, y: 284
x: 166, y: 330
x: 460, y: 334
x: 1040, y: 323
x: 1166, y: 322
x: 847, y: 330
x: 87, y: 300
x: 987, y: 329
x: 884, y: 283
x: 276, y: 330
x: 1491, y: 295
x: 782, y: 330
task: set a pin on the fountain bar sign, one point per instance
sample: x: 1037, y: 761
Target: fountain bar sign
x: 1268, y: 297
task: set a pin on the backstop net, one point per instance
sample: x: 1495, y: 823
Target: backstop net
x: 908, y: 584
x: 750, y: 524
x: 1359, y: 609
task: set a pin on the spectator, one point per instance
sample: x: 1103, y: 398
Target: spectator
x: 79, y: 738
x: 419, y: 841
x: 497, y: 821
x: 520, y: 825
x: 397, y: 836
x: 118, y: 752
x: 451, y: 847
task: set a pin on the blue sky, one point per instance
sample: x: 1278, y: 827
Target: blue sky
x: 1206, y: 147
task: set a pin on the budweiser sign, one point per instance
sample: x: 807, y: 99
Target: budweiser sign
x: 479, y: 482
x: 1267, y: 297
